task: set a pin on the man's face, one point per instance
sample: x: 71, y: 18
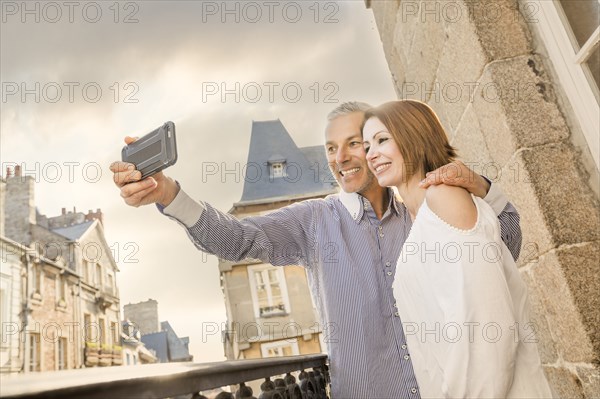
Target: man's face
x: 346, y: 154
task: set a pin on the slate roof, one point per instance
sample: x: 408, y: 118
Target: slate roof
x: 167, y: 345
x: 306, y: 168
x: 75, y: 231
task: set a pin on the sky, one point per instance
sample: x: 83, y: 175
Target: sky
x: 79, y: 76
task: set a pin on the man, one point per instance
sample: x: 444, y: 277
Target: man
x: 349, y: 243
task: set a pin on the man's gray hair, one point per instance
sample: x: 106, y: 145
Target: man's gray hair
x: 348, y: 108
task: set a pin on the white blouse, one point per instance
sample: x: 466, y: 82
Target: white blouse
x: 465, y: 311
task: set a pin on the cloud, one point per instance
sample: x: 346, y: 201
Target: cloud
x: 169, y: 58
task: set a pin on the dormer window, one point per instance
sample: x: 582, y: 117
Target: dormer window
x: 276, y: 166
x: 277, y: 169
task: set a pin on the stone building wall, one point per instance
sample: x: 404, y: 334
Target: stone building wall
x: 498, y: 102
x: 53, y: 320
x: 144, y: 315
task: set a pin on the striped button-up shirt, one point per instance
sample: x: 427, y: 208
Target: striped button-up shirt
x: 350, y: 256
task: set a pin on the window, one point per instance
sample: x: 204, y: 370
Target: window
x: 114, y: 329
x: 280, y: 348
x: 61, y: 296
x: 277, y: 169
x: 87, y: 325
x: 582, y: 19
x: 61, y: 361
x: 269, y: 291
x: 111, y: 284
x: 570, y: 29
x: 98, y: 275
x: 34, y: 352
x: 36, y: 281
x: 102, y: 331
x: 88, y: 270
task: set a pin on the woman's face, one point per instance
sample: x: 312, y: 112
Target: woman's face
x: 383, y: 155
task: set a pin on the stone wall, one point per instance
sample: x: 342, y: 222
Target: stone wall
x: 19, y: 207
x: 144, y: 315
x: 475, y: 64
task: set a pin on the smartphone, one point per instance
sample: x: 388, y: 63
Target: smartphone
x: 154, y: 152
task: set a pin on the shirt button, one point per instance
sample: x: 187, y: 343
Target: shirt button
x: 395, y: 305
x: 403, y: 346
x: 381, y: 235
x: 389, y: 273
x: 388, y: 264
x: 413, y: 390
x: 406, y: 357
x: 397, y: 314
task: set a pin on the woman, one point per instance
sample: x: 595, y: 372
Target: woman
x: 462, y: 301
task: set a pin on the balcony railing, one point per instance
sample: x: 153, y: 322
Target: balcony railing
x: 169, y: 380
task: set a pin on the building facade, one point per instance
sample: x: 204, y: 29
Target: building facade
x: 58, y: 285
x: 515, y: 84
x: 160, y: 338
x: 270, y: 311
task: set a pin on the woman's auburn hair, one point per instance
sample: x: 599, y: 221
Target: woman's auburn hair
x: 418, y: 133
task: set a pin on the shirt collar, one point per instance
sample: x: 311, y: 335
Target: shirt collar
x: 353, y: 202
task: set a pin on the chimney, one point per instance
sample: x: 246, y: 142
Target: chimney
x: 95, y: 216
x: 64, y: 211
x: 8, y: 172
x: 19, y: 207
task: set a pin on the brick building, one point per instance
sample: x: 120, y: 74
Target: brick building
x: 58, y: 285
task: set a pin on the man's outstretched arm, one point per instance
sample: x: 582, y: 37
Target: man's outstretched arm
x: 281, y: 238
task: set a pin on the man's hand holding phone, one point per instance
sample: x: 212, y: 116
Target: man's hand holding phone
x: 157, y: 188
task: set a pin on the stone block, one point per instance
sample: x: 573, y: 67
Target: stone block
x: 537, y: 313
x: 590, y: 379
x: 385, y: 17
x: 406, y: 23
x: 580, y: 266
x: 470, y: 144
x: 513, y: 102
x: 554, y: 171
x: 493, y: 16
x: 460, y: 67
x: 439, y: 108
x: 397, y: 69
x: 515, y: 181
x: 423, y: 58
x: 564, y: 318
x: 564, y: 383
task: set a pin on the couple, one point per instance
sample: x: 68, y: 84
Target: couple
x: 356, y: 294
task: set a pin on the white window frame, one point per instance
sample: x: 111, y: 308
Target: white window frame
x: 62, y: 342
x: 36, y: 340
x: 282, y: 285
x: 293, y: 343
x: 568, y: 65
